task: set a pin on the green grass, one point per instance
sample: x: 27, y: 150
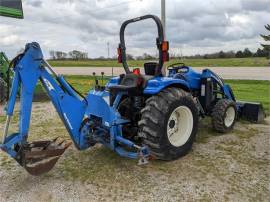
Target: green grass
x: 230, y: 62
x: 255, y: 91
x: 244, y: 90
x: 84, y: 83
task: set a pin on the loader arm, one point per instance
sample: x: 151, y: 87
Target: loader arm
x: 29, y: 68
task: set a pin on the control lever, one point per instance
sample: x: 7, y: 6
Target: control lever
x: 102, y: 76
x: 95, y: 78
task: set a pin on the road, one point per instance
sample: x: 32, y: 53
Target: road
x: 249, y: 73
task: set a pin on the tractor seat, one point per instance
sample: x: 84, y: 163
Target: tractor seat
x: 130, y: 82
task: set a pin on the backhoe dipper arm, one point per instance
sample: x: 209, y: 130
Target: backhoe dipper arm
x: 29, y: 69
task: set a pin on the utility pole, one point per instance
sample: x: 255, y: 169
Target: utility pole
x: 163, y: 20
x: 108, y: 46
x: 163, y: 16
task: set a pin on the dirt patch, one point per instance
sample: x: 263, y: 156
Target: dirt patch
x: 230, y: 167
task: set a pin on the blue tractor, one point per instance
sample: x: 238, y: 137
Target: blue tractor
x: 139, y: 116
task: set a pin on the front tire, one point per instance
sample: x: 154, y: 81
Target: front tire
x: 224, y: 115
x: 169, y: 123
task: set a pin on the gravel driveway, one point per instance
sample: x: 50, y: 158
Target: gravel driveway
x: 230, y: 167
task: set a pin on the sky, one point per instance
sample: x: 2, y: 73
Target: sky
x: 192, y: 26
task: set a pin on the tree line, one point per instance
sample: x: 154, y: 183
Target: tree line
x: 74, y: 55
x: 246, y: 53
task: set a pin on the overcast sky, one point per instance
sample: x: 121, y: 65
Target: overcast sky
x: 193, y: 26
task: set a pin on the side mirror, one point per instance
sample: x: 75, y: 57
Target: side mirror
x: 11, y: 9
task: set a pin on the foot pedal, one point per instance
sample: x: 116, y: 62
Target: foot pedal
x: 41, y: 156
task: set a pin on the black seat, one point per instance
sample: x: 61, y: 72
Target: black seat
x: 150, y: 68
x: 130, y: 82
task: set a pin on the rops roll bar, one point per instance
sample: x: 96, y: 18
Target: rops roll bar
x: 163, y: 46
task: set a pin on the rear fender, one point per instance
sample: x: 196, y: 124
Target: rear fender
x: 154, y: 86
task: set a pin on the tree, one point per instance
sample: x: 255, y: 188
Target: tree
x: 60, y: 55
x: 247, y: 53
x: 130, y: 57
x: 52, y: 54
x: 239, y: 54
x: 147, y: 57
x: 77, y: 55
x: 261, y: 53
x: 266, y: 38
x: 221, y: 54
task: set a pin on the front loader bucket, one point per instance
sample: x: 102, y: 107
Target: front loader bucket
x: 251, y: 111
x: 40, y: 157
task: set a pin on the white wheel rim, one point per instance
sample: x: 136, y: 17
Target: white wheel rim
x: 179, y: 126
x: 229, y: 116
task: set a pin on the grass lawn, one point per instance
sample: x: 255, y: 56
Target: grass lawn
x: 244, y: 90
x: 254, y: 91
x: 230, y: 62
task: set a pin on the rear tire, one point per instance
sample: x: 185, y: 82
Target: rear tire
x: 169, y: 123
x: 3, y: 91
x: 224, y: 115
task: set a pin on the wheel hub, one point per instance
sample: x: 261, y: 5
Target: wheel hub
x: 229, y: 116
x: 180, y: 125
x: 172, y: 123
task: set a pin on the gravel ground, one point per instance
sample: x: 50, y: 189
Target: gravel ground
x: 230, y: 167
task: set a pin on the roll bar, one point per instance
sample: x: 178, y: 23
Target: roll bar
x: 160, y: 40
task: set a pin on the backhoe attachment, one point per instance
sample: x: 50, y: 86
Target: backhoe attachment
x: 40, y: 157
x: 36, y: 157
x: 87, y: 124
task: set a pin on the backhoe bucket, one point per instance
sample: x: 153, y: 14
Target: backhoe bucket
x: 40, y: 157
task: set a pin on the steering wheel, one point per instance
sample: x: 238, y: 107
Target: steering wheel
x: 179, y: 67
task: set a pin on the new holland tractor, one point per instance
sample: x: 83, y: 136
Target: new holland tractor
x: 137, y: 115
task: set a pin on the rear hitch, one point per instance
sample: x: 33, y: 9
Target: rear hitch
x: 144, y: 156
x: 41, y: 156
